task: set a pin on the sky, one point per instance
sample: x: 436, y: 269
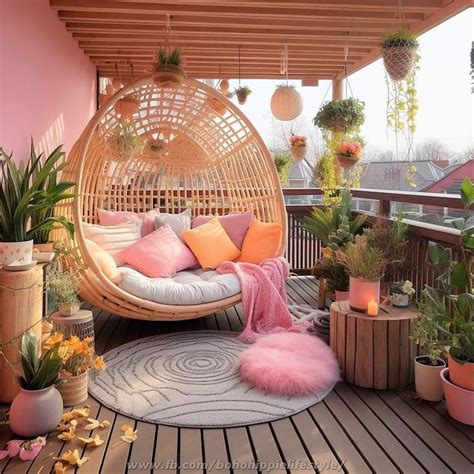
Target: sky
x: 443, y: 84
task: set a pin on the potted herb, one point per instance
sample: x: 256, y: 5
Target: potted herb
x: 64, y: 284
x: 38, y: 407
x: 167, y: 70
x: 348, y: 153
x: 125, y: 144
x: 365, y: 264
x: 401, y: 293
x: 399, y: 53
x: 242, y: 92
x: 335, y: 275
x: 28, y: 193
x: 342, y: 115
x: 298, y: 147
x: 77, y: 358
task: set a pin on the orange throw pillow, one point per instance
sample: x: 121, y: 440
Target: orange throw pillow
x: 210, y: 244
x: 262, y: 241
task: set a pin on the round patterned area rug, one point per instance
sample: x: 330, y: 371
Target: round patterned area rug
x: 188, y: 379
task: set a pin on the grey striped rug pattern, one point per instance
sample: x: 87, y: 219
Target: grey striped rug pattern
x: 188, y: 379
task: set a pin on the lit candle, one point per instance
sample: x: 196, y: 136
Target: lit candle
x: 372, y: 308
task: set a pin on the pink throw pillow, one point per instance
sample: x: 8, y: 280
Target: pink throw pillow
x: 235, y: 225
x: 159, y: 254
x: 120, y: 217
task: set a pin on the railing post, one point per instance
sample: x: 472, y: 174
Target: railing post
x: 384, y: 208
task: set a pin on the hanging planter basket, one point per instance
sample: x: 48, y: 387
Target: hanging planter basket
x: 155, y: 148
x: 347, y: 161
x: 168, y: 75
x: 127, y: 106
x: 123, y: 145
x: 399, y: 60
x: 298, y: 152
x: 342, y: 115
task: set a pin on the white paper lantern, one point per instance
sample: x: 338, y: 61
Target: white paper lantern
x: 224, y: 86
x: 286, y: 103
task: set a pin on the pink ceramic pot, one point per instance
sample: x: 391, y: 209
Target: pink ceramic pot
x: 36, y: 412
x: 459, y: 401
x: 361, y: 292
x: 461, y: 373
x: 342, y: 295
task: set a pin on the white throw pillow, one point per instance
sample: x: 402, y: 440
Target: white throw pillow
x: 113, y: 238
x: 178, y: 222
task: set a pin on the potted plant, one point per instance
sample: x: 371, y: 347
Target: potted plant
x: 64, y: 285
x: 38, y: 407
x: 365, y: 265
x: 124, y: 144
x: 335, y: 275
x: 154, y: 148
x: 399, y: 53
x: 127, y: 106
x: 449, y: 307
x: 428, y: 366
x: 298, y: 147
x: 167, y: 70
x: 342, y: 115
x: 242, y: 92
x: 348, y: 153
x: 28, y: 193
x: 401, y: 293
x: 77, y: 358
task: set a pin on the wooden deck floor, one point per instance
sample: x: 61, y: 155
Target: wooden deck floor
x: 352, y: 430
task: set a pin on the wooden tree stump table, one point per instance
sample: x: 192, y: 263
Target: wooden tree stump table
x: 374, y: 352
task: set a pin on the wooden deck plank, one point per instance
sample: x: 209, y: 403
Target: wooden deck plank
x: 240, y: 450
x: 142, y: 449
x: 266, y: 449
x: 190, y: 450
x: 385, y: 439
x: 215, y: 451
x: 116, y: 455
x: 441, y: 409
x: 166, y: 449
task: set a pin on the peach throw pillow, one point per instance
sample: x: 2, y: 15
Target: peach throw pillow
x: 104, y: 261
x: 262, y: 241
x: 210, y: 244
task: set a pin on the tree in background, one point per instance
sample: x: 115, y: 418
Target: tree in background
x: 431, y: 150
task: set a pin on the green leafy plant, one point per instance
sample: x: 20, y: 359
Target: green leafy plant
x: 337, y: 278
x: 28, y: 193
x: 282, y: 160
x: 242, y: 92
x: 39, y: 372
x: 342, y: 115
x: 361, y: 259
x: 125, y: 142
x: 335, y: 225
x: 402, y: 288
x: 447, y: 308
x: 65, y: 284
x: 174, y: 57
x: 401, y: 37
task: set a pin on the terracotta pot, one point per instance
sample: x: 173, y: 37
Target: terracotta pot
x: 11, y: 252
x: 74, y: 389
x: 48, y: 247
x: 427, y: 380
x: 67, y: 309
x: 242, y: 99
x: 347, y: 161
x: 168, y: 75
x: 461, y: 373
x: 400, y: 300
x: 127, y: 106
x: 459, y: 401
x: 36, y: 412
x: 342, y: 295
x: 361, y: 292
x: 298, y: 152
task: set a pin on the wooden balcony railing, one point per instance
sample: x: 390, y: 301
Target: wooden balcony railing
x: 304, y: 248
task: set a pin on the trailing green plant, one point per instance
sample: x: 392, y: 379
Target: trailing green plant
x: 164, y: 57
x: 401, y: 37
x: 28, y: 193
x: 39, y: 372
x: 342, y: 115
x: 335, y: 225
x: 282, y: 160
x: 447, y: 308
x: 361, y: 259
x: 336, y: 275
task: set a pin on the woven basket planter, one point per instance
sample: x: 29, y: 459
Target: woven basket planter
x: 298, y: 152
x: 168, y: 75
x: 154, y: 150
x: 127, y: 106
x: 347, y: 161
x: 399, y: 60
x: 74, y: 389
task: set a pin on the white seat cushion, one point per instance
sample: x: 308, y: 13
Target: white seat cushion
x: 185, y: 288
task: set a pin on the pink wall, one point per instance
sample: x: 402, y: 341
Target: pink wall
x: 47, y: 84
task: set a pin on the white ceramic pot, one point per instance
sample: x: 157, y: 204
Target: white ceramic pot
x: 36, y: 412
x: 67, y: 309
x: 427, y: 379
x: 16, y: 252
x: 400, y: 300
x: 361, y: 292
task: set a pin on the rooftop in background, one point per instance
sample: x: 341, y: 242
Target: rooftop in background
x: 451, y: 181
x: 210, y: 33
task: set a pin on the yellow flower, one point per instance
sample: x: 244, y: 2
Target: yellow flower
x: 52, y: 340
x: 99, y: 363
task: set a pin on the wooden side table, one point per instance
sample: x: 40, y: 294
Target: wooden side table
x: 80, y: 324
x: 374, y: 352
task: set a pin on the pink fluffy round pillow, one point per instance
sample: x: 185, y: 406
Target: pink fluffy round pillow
x: 289, y: 363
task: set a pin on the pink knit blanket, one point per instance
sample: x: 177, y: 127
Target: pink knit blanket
x: 263, y: 297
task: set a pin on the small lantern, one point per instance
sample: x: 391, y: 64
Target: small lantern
x: 286, y: 103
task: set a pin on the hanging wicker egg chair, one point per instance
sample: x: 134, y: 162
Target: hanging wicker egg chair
x: 214, y: 163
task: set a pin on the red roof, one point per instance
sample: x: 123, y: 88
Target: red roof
x: 451, y: 182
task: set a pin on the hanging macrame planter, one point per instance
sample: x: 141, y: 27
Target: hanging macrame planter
x: 124, y: 144
x: 298, y: 147
x: 154, y: 149
x: 399, y: 51
x: 343, y: 115
x: 348, y: 153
